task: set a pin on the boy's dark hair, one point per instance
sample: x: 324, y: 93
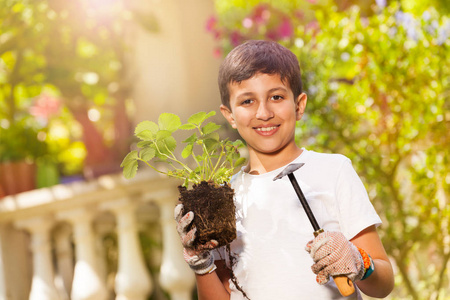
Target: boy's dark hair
x: 257, y: 56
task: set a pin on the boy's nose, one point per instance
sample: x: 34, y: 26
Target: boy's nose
x: 264, y: 111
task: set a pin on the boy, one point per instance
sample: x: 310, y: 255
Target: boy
x: 262, y: 98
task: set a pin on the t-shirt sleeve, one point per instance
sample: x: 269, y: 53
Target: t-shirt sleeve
x: 356, y: 212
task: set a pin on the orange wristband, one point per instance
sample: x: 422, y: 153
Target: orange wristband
x: 369, y: 267
x: 365, y: 258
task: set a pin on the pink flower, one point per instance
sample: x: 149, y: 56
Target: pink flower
x: 312, y: 26
x: 236, y: 38
x: 299, y: 14
x: 217, y: 52
x: 285, y: 30
x: 261, y: 14
x: 247, y: 22
x: 45, y: 106
x: 272, y: 35
x: 211, y: 23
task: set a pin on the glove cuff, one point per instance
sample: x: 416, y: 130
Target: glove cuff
x: 201, y: 263
x: 359, y: 270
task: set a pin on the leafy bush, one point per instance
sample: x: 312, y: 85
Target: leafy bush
x: 378, y: 89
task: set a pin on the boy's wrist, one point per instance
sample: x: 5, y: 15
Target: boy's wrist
x: 369, y: 266
x: 370, y: 270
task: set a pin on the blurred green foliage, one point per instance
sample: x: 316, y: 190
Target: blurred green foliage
x: 72, y: 52
x: 378, y: 86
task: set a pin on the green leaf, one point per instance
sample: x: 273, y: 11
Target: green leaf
x: 191, y: 139
x: 238, y: 143
x: 211, y: 144
x: 171, y: 143
x: 187, y: 151
x: 200, y: 117
x: 240, y: 161
x: 169, y: 122
x: 129, y: 158
x: 162, y: 134
x: 147, y: 154
x: 197, y: 118
x: 235, y: 155
x: 221, y: 172
x: 130, y: 169
x: 166, y: 146
x: 210, y: 127
x: 187, y: 126
x: 197, y: 170
x: 214, y: 136
x: 143, y: 144
x: 210, y: 114
x: 145, y: 135
x: 146, y: 125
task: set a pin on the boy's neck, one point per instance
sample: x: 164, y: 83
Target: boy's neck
x: 260, y: 163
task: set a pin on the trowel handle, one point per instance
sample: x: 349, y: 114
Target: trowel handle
x: 345, y: 285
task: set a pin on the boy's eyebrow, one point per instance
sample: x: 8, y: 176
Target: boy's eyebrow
x: 278, y: 88
x: 246, y: 94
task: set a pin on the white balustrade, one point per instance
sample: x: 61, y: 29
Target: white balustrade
x: 42, y: 287
x: 133, y: 279
x: 175, y: 277
x: 87, y: 284
x: 104, y: 225
x: 68, y: 215
x: 64, y: 259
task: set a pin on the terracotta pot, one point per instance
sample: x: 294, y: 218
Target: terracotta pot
x: 17, y: 177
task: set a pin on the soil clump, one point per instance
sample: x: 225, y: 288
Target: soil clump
x: 214, y: 212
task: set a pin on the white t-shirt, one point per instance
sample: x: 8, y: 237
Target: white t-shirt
x: 272, y: 228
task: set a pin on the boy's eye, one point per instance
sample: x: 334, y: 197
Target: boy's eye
x: 277, y: 97
x: 247, y: 101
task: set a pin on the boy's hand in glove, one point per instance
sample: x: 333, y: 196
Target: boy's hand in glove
x: 334, y: 255
x: 200, y: 259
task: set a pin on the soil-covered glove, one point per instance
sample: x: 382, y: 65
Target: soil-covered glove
x: 334, y: 255
x: 200, y: 259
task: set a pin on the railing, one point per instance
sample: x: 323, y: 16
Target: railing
x: 49, y: 241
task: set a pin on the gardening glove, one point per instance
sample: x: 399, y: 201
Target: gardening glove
x: 200, y: 259
x: 334, y: 255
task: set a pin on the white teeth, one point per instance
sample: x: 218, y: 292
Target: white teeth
x: 266, y: 128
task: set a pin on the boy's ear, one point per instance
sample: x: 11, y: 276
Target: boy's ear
x: 300, y: 105
x: 226, y: 112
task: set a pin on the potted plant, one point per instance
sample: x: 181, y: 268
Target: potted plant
x: 19, y: 148
x: 205, y: 186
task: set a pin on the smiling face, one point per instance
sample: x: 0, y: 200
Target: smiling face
x: 264, y: 111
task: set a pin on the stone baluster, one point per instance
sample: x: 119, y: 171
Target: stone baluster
x: 87, y: 284
x: 42, y: 286
x: 133, y: 280
x: 175, y: 276
x: 103, y: 226
x: 64, y: 258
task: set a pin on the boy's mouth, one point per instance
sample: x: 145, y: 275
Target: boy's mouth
x: 266, y: 129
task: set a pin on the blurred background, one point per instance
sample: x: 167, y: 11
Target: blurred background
x: 77, y: 76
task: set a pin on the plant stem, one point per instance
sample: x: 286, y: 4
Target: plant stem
x: 152, y: 167
x: 173, y: 158
x: 218, y: 160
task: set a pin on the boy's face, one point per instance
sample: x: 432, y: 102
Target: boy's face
x: 264, y: 112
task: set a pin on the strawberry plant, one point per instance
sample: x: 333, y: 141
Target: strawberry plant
x: 214, y: 159
x: 206, y: 163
